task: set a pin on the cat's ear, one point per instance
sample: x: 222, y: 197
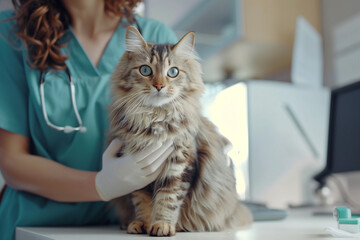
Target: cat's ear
x: 186, y: 45
x: 134, y: 41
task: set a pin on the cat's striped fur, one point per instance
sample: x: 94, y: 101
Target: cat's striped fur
x: 196, y: 189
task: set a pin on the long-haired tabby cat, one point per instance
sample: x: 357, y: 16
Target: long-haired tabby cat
x: 156, y: 91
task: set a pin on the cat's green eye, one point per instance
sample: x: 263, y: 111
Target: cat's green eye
x: 145, y: 70
x: 173, y: 72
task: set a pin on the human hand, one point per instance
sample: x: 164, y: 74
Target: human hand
x: 122, y: 175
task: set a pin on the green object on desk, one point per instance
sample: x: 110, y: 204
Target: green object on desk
x: 348, y: 221
x: 345, y: 220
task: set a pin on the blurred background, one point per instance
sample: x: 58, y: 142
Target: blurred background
x: 254, y: 38
x: 282, y: 84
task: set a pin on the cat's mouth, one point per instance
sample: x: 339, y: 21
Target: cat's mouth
x: 157, y: 99
x: 160, y: 94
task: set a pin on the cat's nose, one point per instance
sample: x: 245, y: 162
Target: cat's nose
x: 158, y: 86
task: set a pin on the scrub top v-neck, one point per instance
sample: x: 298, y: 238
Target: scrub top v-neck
x: 20, y: 112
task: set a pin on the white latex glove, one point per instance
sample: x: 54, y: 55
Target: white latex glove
x: 122, y: 175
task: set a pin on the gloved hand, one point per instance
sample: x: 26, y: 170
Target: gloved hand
x: 122, y: 175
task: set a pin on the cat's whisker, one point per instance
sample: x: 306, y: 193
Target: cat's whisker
x: 124, y: 103
x: 136, y: 104
x: 131, y: 98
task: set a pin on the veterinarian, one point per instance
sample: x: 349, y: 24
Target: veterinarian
x: 56, y: 58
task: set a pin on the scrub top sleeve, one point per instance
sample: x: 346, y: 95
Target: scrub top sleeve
x: 13, y: 85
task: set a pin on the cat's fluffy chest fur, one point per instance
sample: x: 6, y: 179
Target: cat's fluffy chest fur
x: 148, y: 125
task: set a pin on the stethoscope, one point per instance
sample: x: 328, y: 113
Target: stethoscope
x: 66, y: 129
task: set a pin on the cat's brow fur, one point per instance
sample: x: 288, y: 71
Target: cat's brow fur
x: 196, y: 189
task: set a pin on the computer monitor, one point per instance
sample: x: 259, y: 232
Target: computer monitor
x: 343, y: 154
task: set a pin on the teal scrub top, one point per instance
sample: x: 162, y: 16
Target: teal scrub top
x: 20, y: 112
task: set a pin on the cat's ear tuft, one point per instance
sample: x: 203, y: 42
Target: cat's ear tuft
x: 186, y: 46
x: 134, y: 41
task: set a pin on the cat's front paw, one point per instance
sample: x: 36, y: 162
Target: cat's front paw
x: 137, y: 227
x: 162, y: 229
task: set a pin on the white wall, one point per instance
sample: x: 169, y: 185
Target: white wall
x: 5, y: 4
x: 341, y: 24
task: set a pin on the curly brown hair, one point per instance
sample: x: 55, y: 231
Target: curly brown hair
x: 42, y: 23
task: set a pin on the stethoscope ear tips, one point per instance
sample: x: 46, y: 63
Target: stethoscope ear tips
x: 83, y: 129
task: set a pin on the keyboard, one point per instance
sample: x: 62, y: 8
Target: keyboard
x: 261, y: 212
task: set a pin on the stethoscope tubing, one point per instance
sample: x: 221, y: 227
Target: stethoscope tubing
x: 65, y: 129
